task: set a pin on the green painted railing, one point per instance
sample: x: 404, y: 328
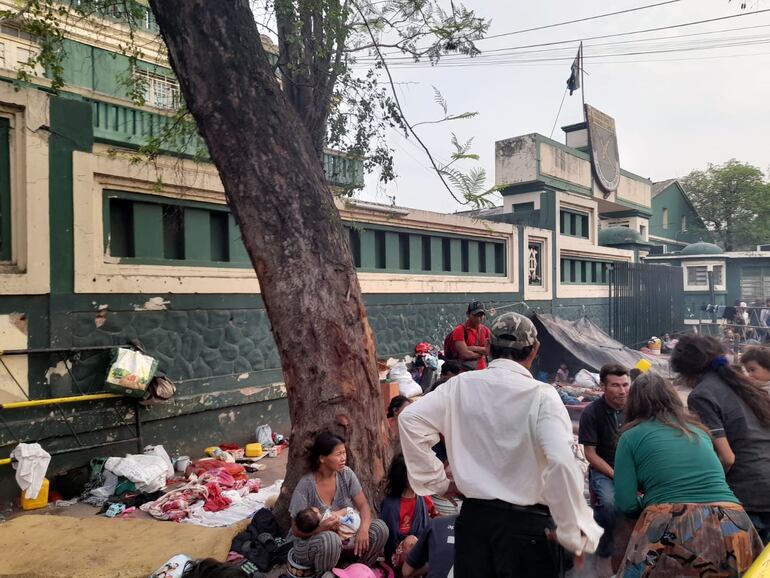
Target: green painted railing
x: 584, y: 272
x: 124, y: 125
x: 378, y: 249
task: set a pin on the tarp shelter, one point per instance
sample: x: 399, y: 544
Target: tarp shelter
x: 582, y: 344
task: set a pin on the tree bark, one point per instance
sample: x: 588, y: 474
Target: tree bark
x: 275, y: 186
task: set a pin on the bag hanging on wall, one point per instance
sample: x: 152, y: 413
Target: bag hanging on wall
x: 131, y: 372
x: 160, y: 390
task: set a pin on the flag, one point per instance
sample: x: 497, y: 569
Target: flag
x: 573, y: 82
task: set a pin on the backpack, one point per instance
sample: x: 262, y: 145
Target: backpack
x: 449, y: 345
x: 451, y: 353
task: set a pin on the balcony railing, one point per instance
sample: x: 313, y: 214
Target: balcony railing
x: 124, y: 125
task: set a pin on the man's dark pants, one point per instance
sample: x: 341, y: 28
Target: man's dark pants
x: 494, y: 539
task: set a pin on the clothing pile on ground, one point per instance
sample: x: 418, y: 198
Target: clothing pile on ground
x: 218, y: 486
x: 131, y: 480
x: 212, y: 492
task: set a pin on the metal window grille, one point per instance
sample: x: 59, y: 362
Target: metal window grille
x: 698, y: 276
x: 755, y: 283
x: 159, y: 91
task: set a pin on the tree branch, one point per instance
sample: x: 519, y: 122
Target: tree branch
x: 401, y: 111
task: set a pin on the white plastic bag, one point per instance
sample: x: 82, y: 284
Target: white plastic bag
x: 585, y: 378
x: 148, y: 472
x: 160, y: 451
x: 265, y: 435
x: 407, y: 386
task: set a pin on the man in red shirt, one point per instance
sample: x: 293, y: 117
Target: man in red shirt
x: 471, y: 339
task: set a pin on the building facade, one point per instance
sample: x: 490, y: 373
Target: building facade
x: 99, y: 250
x: 675, y: 223
x: 712, y: 276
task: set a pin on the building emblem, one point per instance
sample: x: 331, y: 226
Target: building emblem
x: 604, y: 149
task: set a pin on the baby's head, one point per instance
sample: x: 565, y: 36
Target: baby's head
x: 307, y: 520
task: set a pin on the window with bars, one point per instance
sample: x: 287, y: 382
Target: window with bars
x: 575, y: 224
x: 584, y: 272
x: 698, y: 276
x: 159, y: 91
x: 755, y: 284
x: 146, y: 229
x: 2, y: 54
x: 384, y: 249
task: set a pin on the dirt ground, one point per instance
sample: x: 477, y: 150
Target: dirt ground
x: 72, y: 542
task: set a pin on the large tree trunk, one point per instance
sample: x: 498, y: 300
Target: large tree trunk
x: 276, y: 189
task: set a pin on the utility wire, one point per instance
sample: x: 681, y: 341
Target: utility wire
x: 590, y: 57
x: 576, y: 40
x: 621, y: 42
x: 586, y: 19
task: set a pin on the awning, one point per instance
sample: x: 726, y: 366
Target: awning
x: 582, y: 344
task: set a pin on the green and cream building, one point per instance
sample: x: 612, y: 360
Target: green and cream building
x: 97, y: 250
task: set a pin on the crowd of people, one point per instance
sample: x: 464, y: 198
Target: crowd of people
x: 692, y: 478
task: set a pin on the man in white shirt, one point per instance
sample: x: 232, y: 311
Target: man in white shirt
x: 510, y: 446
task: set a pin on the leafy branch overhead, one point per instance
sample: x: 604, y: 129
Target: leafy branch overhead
x: 330, y: 55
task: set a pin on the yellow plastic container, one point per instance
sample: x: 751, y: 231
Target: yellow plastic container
x: 254, y: 450
x: 209, y: 451
x: 643, y: 365
x: 761, y: 566
x: 40, y: 502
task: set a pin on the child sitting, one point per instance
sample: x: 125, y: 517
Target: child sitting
x: 406, y: 514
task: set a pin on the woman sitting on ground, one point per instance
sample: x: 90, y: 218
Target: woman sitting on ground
x: 691, y: 523
x: 406, y: 514
x: 332, y: 488
x: 737, y: 413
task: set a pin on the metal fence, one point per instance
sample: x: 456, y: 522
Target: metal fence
x: 645, y: 300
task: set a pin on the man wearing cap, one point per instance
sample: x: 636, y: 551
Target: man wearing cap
x: 510, y: 447
x: 470, y: 340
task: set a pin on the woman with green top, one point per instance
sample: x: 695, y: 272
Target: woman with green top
x: 691, y: 523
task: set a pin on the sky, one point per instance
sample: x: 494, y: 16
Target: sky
x: 674, y: 111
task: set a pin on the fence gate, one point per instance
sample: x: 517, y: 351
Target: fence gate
x: 645, y: 300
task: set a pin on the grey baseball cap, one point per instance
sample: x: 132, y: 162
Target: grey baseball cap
x: 513, y: 331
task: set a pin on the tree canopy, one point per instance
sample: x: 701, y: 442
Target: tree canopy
x: 733, y: 199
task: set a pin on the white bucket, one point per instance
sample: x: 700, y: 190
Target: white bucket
x: 181, y: 464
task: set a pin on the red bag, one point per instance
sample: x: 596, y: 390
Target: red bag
x: 199, y: 467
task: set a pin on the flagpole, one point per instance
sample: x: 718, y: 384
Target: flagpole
x: 582, y: 80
